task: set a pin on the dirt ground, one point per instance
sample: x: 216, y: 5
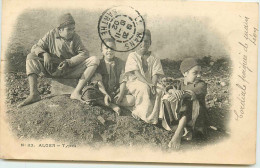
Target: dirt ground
x: 71, y: 121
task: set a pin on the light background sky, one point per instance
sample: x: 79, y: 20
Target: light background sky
x: 52, y: 164
x: 192, y: 36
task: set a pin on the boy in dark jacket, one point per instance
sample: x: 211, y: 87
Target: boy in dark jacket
x: 191, y: 90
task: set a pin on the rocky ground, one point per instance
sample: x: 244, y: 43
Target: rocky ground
x: 62, y: 119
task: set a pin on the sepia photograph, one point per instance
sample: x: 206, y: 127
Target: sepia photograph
x: 129, y: 81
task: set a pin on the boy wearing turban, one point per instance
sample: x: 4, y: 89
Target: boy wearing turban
x: 61, y: 54
x: 191, y: 92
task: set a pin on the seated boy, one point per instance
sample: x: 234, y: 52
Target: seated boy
x: 112, y: 82
x: 61, y: 54
x: 191, y: 92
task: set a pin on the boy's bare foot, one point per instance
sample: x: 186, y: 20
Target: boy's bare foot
x: 175, y: 142
x: 30, y: 99
x: 117, y: 110
x: 76, y: 96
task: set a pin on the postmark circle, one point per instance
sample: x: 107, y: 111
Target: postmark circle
x: 124, y: 24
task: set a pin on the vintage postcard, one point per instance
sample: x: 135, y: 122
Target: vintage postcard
x: 129, y: 81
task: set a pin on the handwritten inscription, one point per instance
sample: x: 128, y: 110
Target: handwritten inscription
x: 248, y: 38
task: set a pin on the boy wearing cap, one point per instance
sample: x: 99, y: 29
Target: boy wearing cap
x: 61, y: 54
x: 192, y: 91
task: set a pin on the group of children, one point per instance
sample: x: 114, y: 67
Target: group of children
x: 112, y: 82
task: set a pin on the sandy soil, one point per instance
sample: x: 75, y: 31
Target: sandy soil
x: 62, y: 119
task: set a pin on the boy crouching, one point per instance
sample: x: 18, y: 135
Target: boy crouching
x: 60, y: 54
x: 187, y: 103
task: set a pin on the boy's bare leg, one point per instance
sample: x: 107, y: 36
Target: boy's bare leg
x: 34, y: 93
x: 88, y: 73
x: 176, y: 139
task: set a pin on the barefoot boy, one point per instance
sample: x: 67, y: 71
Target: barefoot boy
x: 60, y: 53
x: 112, y: 82
x: 192, y: 90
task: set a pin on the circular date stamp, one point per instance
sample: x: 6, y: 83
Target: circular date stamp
x: 124, y: 24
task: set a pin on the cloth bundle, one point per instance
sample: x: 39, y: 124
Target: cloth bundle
x: 91, y: 94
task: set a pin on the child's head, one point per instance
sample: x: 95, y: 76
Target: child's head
x: 146, y: 43
x: 106, y: 50
x: 66, y: 26
x: 191, y: 70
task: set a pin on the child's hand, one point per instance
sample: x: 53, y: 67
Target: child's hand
x: 47, y: 61
x: 119, y: 98
x: 175, y: 94
x: 107, y: 99
x: 153, y: 88
x: 192, y: 94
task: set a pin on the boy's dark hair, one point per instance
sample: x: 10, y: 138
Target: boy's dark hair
x: 107, y: 40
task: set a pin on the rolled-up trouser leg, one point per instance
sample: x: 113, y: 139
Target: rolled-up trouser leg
x: 33, y: 65
x: 78, y: 71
